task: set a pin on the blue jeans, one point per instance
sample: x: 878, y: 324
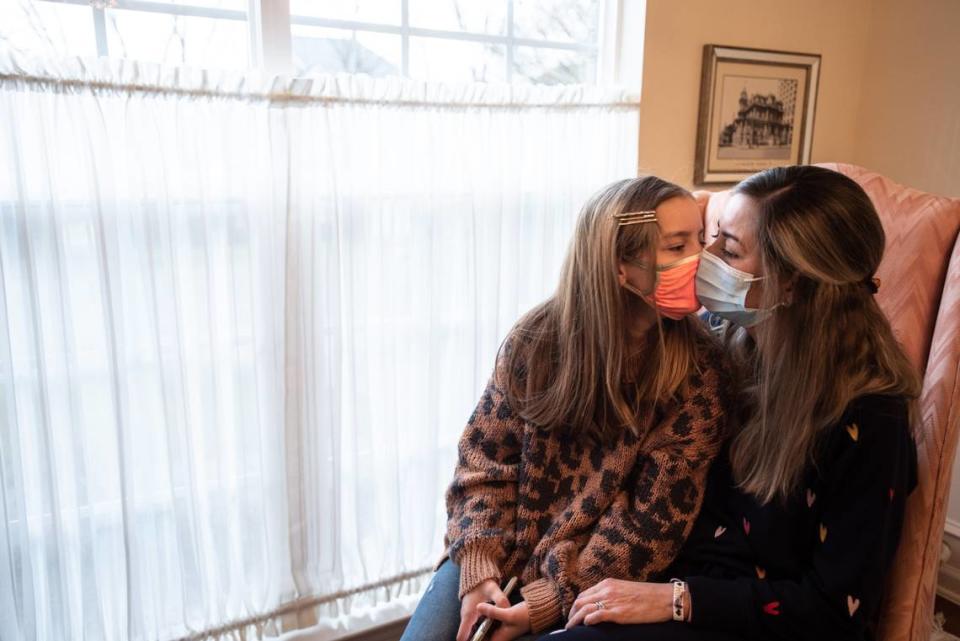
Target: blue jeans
x: 437, y: 617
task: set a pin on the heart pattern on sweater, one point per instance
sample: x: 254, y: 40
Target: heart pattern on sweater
x: 719, y: 531
x: 746, y: 525
x: 772, y: 608
x: 811, y: 497
x: 823, y: 533
x: 761, y: 573
x: 852, y: 604
x: 854, y: 431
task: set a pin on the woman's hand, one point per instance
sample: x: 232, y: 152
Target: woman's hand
x: 623, y: 602
x: 703, y: 199
x: 489, y: 590
x: 514, y: 620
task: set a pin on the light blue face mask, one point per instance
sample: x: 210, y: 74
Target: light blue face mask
x: 722, y: 289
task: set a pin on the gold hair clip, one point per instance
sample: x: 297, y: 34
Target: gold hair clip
x: 634, y: 217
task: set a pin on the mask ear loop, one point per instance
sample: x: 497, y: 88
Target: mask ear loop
x: 645, y: 297
x: 630, y: 288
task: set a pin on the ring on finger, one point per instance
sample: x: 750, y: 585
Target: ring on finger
x: 599, y: 605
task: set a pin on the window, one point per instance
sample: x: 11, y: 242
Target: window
x: 239, y: 338
x: 186, y: 35
x: 543, y: 42
x: 519, y: 41
x: 203, y: 33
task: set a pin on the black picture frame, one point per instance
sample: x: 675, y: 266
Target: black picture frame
x: 757, y: 110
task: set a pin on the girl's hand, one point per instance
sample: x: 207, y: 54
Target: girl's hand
x: 514, y: 621
x: 489, y: 590
x: 623, y: 602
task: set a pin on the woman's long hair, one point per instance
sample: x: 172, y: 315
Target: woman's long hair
x: 567, y: 360
x: 818, y: 230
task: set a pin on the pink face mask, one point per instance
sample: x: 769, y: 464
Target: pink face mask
x: 676, y: 292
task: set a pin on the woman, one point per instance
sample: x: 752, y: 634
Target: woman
x: 587, y: 454
x: 804, y: 507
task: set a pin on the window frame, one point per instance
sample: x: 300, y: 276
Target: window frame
x: 270, y: 23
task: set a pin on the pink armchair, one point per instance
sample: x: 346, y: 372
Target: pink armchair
x: 920, y: 293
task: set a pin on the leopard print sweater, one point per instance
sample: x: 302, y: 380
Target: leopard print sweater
x: 563, y: 515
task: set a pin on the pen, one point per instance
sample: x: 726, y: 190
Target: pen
x: 487, y: 622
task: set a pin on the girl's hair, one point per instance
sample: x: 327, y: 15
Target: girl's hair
x: 566, y: 361
x: 818, y: 230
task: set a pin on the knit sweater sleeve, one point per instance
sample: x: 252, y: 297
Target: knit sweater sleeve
x: 640, y: 532
x: 482, y: 498
x: 838, y: 595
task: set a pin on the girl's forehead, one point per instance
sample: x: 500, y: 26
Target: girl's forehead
x: 679, y: 214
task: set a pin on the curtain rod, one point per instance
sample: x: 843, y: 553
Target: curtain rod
x: 286, y: 97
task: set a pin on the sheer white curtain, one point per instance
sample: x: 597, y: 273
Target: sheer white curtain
x: 242, y: 323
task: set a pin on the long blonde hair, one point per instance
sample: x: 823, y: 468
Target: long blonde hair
x: 568, y: 358
x: 818, y: 230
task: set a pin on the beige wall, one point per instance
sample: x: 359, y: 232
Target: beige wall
x: 675, y: 33
x: 889, y: 95
x: 909, y: 123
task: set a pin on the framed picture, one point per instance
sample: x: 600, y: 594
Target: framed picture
x: 756, y: 111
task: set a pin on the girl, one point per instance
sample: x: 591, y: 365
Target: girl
x: 588, y: 452
x: 804, y: 508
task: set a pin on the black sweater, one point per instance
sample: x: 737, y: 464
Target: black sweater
x: 813, y: 568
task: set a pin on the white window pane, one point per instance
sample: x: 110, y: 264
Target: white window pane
x: 557, y: 20
x: 178, y: 40
x: 456, y: 61
x: 540, y: 66
x: 488, y: 17
x: 233, y: 5
x: 380, y: 11
x: 319, y: 50
x: 47, y: 28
